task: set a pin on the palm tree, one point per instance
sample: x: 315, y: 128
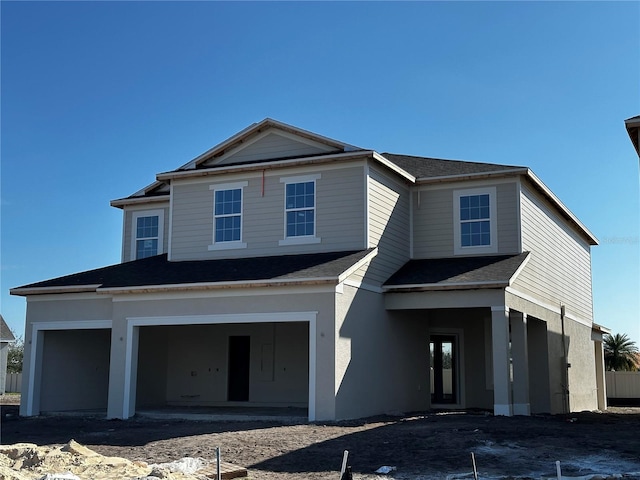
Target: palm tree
x: 620, y: 353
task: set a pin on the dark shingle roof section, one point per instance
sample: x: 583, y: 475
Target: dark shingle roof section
x: 157, y: 270
x: 461, y: 271
x: 424, y: 167
x: 6, y: 335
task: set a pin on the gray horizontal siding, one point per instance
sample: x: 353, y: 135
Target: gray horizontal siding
x: 389, y: 225
x: 339, y: 216
x: 508, y: 222
x: 127, y: 235
x: 433, y: 223
x: 273, y: 146
x: 559, y: 270
x: 433, y: 220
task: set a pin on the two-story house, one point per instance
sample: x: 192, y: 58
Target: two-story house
x: 282, y: 268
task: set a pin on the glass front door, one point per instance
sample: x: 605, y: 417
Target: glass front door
x: 443, y: 369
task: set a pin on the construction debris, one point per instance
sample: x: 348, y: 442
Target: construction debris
x: 28, y: 461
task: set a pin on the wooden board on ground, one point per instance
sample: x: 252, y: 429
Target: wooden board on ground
x: 227, y: 471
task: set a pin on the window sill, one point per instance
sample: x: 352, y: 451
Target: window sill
x: 480, y: 250
x: 227, y: 245
x: 299, y: 241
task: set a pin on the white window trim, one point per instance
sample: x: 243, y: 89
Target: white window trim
x: 302, y: 239
x: 458, y: 249
x: 237, y: 243
x: 134, y: 230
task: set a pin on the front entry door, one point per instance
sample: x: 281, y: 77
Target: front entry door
x: 239, y: 360
x: 444, y: 378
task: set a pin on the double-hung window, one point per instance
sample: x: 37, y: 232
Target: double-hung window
x: 300, y: 210
x: 148, y: 229
x: 227, y: 216
x: 475, y: 227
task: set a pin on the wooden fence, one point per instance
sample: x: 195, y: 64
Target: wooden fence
x: 623, y: 385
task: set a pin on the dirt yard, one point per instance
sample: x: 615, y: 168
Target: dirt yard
x: 425, y: 446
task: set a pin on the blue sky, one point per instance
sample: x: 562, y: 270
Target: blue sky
x: 99, y: 97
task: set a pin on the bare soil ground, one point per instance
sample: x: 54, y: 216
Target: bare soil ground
x: 422, y: 446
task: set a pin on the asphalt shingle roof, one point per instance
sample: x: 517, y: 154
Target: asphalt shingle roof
x: 447, y: 272
x: 425, y: 167
x: 6, y: 335
x: 157, y: 270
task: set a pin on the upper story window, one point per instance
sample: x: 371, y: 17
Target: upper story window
x: 148, y: 228
x: 475, y: 220
x: 475, y: 223
x: 227, y: 216
x: 300, y: 210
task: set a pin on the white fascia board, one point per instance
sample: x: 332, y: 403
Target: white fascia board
x: 218, y: 285
x: 472, y: 176
x: 275, y: 131
x: 392, y: 166
x: 123, y: 202
x: 446, y: 286
x: 310, y: 135
x: 632, y: 122
x: 266, y: 123
x: 53, y: 290
x: 221, y: 146
x: 519, y: 269
x: 563, y: 209
x: 600, y: 328
x: 367, y: 258
x: 264, y: 165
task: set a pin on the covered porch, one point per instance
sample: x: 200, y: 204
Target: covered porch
x: 489, y: 349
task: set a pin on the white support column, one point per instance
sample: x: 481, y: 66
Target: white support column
x: 501, y: 368
x: 520, y: 357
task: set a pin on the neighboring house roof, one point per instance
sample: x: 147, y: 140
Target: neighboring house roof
x: 633, y: 127
x: 6, y: 335
x: 158, y: 273
x: 497, y: 271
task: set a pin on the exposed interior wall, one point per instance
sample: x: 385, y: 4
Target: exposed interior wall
x: 191, y: 363
x: 75, y: 370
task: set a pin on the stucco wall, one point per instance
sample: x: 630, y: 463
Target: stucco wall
x: 381, y: 358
